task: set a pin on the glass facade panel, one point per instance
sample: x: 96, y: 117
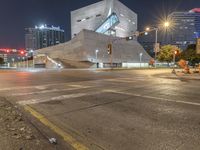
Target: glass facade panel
x: 110, y: 22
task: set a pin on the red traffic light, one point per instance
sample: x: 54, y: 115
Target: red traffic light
x: 7, y: 51
x: 22, y: 52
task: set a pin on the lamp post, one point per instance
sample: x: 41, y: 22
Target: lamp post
x: 156, y: 41
x: 18, y: 62
x: 23, y: 60
x: 96, y: 52
x: 13, y: 61
x: 175, y: 52
x: 26, y: 57
x: 32, y: 55
x: 156, y: 46
x: 141, y: 54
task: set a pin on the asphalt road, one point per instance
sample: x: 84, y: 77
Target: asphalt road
x: 111, y: 110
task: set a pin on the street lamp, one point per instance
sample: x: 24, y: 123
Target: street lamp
x: 32, y: 55
x: 148, y: 29
x: 23, y: 60
x: 141, y: 54
x: 175, y: 52
x: 13, y: 61
x: 96, y: 52
x: 156, y: 46
x: 166, y: 24
x: 19, y: 62
x: 26, y: 60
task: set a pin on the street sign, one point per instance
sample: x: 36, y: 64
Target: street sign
x: 198, y: 46
x: 157, y: 47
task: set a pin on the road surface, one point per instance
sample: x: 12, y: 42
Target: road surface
x: 110, y: 110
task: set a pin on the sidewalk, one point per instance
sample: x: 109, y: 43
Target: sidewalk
x: 180, y: 75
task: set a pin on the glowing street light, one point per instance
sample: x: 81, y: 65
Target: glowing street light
x: 166, y: 24
x: 147, y: 29
x: 96, y: 52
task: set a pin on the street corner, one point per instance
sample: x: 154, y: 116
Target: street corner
x: 17, y: 132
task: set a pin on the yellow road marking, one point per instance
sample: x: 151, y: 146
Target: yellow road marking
x: 66, y: 136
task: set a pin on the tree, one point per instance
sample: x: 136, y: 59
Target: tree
x: 1, y: 61
x: 167, y: 52
x: 190, y: 55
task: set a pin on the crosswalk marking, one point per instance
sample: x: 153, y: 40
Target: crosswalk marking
x: 50, y: 91
x: 61, y: 97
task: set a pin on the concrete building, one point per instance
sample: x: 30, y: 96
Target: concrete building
x: 186, y: 27
x: 93, y: 28
x: 43, y: 36
x: 107, y: 16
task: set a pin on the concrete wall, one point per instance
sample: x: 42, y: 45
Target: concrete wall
x: 83, y: 48
x: 89, y: 13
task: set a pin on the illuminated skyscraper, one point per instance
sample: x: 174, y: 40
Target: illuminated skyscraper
x: 43, y: 36
x: 186, y: 27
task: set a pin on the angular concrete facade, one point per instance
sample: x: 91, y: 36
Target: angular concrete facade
x: 83, y: 48
x: 92, y: 16
x: 90, y: 45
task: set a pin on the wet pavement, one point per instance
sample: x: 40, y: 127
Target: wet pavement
x: 112, y: 110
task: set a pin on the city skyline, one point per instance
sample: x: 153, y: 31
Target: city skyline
x: 16, y: 16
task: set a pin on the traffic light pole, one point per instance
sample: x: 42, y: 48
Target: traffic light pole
x: 174, y: 60
x: 155, y: 47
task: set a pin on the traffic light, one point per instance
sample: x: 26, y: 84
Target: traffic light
x: 109, y: 49
x: 7, y: 51
x: 129, y: 38
x: 176, y: 52
x: 22, y: 52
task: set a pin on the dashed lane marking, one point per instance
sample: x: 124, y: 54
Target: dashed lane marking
x: 66, y: 136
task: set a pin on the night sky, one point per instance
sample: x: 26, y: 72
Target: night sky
x: 15, y: 15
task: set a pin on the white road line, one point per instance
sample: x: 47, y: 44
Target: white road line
x: 50, y: 91
x: 39, y: 87
x: 61, y: 97
x: 157, y: 98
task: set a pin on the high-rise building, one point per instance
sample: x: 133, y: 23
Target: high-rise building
x: 43, y: 36
x: 109, y: 17
x: 186, y: 27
